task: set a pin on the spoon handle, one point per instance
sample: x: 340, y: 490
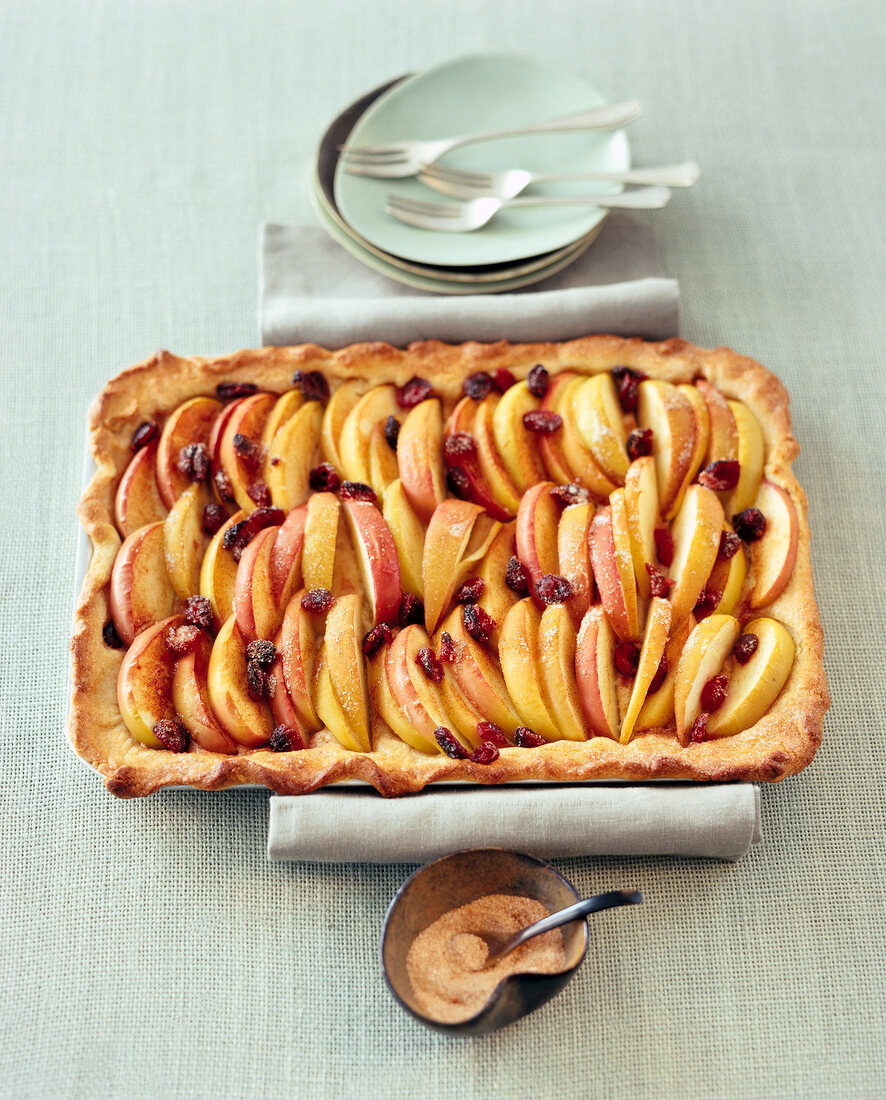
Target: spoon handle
x: 580, y: 909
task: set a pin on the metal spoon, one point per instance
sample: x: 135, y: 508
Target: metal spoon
x: 502, y: 943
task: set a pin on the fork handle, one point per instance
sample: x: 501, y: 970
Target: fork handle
x: 645, y: 198
x: 670, y: 175
x: 602, y: 118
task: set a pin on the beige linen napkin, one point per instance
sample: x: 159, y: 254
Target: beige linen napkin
x: 358, y: 826
x: 312, y: 290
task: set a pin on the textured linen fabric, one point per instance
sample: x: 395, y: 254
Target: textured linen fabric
x: 148, y: 948
x: 719, y: 822
x: 312, y: 290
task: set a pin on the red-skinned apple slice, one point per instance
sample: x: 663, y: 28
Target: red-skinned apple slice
x: 373, y: 408
x: 495, y: 474
x: 445, y: 543
x: 291, y: 455
x: 595, y: 673
x: 754, y: 687
x: 550, y: 445
x: 696, y: 531
x: 466, y: 458
x: 521, y: 668
x: 538, y: 518
x: 346, y: 671
x: 563, y: 452
x: 643, y: 515
x: 613, y: 567
x: 248, y: 721
x: 704, y: 654
x: 377, y: 558
x: 296, y: 644
x: 751, y: 458
x: 338, y: 408
x: 185, y: 541
x: 144, y: 682
x: 598, y: 418
x: 518, y: 446
x: 218, y: 574
x: 658, y: 624
x: 702, y: 440
x: 574, y: 559
x: 190, y: 695
x: 657, y: 711
x: 667, y: 412
x: 420, y: 458
x: 318, y: 550
x: 284, y: 566
x: 556, y: 655
x: 137, y: 501
x: 257, y: 613
x: 413, y: 693
x: 190, y: 423
x: 141, y: 592
x: 389, y: 709
x: 479, y: 677
x: 248, y: 419
x: 774, y: 556
x: 723, y: 441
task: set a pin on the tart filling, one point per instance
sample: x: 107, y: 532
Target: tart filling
x: 483, y: 563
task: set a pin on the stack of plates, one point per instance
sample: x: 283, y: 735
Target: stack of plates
x: 471, y: 94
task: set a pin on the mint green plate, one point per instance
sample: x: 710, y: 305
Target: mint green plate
x: 462, y: 96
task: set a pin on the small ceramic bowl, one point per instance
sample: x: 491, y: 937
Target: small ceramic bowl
x: 456, y: 880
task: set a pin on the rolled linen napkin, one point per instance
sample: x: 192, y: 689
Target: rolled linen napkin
x: 312, y: 290
x: 358, y: 826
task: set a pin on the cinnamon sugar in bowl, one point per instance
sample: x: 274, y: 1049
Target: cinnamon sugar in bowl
x: 432, y: 963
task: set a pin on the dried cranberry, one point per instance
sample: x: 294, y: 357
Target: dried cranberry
x: 479, y: 385
x: 323, y: 478
x: 745, y: 648
x: 286, y: 739
x: 235, y: 539
x: 110, y: 636
x: 720, y: 476
x: 628, y: 383
x: 659, y: 584
x: 312, y: 384
x: 356, y: 490
x: 430, y: 666
x: 571, y: 493
x: 639, y: 443
x: 659, y: 677
x: 198, y: 612
x: 458, y: 483
x: 459, y: 444
x: 225, y: 390
x: 224, y: 488
x: 259, y: 493
x: 414, y: 392
x: 699, y: 730
x: 485, y: 753
x: 664, y: 546
x: 171, y: 734
x: 553, y: 589
x: 392, y: 432
x: 708, y: 602
x: 516, y: 577
x: 527, y: 738
x: 181, y: 640
x: 448, y: 743
x: 730, y: 544
x: 144, y: 434
x: 411, y: 610
x: 256, y: 681
x: 503, y: 379
x: 376, y: 638
x: 193, y: 461
x: 538, y: 381
x: 261, y: 650
x: 542, y: 421
x: 489, y: 731
x: 214, y: 518
x: 318, y: 601
x: 249, y: 452
x: 627, y: 659
x: 713, y: 693
x: 239, y: 535
x: 470, y: 591
x: 750, y: 525
x: 478, y: 623
x: 447, y: 648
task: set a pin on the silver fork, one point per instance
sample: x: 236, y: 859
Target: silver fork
x: 462, y: 217
x: 461, y: 184
x: 404, y: 158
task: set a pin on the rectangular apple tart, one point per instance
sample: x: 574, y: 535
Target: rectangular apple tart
x: 479, y: 563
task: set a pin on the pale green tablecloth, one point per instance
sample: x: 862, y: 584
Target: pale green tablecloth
x: 148, y: 949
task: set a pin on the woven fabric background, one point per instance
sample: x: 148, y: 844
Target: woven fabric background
x: 148, y: 950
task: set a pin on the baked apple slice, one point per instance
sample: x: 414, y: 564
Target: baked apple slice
x: 383, y: 468
x: 538, y: 519
x: 751, y: 449
x: 704, y: 654
x: 285, y: 407
x: 658, y: 625
x: 595, y: 673
x: 296, y: 644
x: 141, y: 592
x: 137, y: 501
x: 497, y: 597
x: 321, y: 531
x: 754, y: 686
x: 518, y: 446
x: 337, y: 410
x: 346, y: 674
x: 556, y: 656
x: 774, y: 556
x: 723, y: 440
x: 613, y: 567
x: 248, y: 721
x: 598, y: 417
x: 664, y: 409
x: 521, y: 668
x: 331, y: 711
x: 377, y: 558
x: 239, y: 448
x: 479, y: 677
x: 374, y: 407
x: 564, y: 453
x: 185, y: 541
x: 291, y: 455
x: 414, y: 693
x: 408, y: 533
x: 390, y: 710
x: 190, y: 696
x: 446, y: 541
x: 258, y: 612
x: 657, y: 711
x: 493, y: 470
x: 190, y: 423
x: 218, y: 573
x: 144, y: 682
x: 643, y: 516
x: 574, y: 562
x: 420, y: 458
x: 696, y: 532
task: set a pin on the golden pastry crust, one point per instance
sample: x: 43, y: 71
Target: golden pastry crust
x: 780, y: 744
